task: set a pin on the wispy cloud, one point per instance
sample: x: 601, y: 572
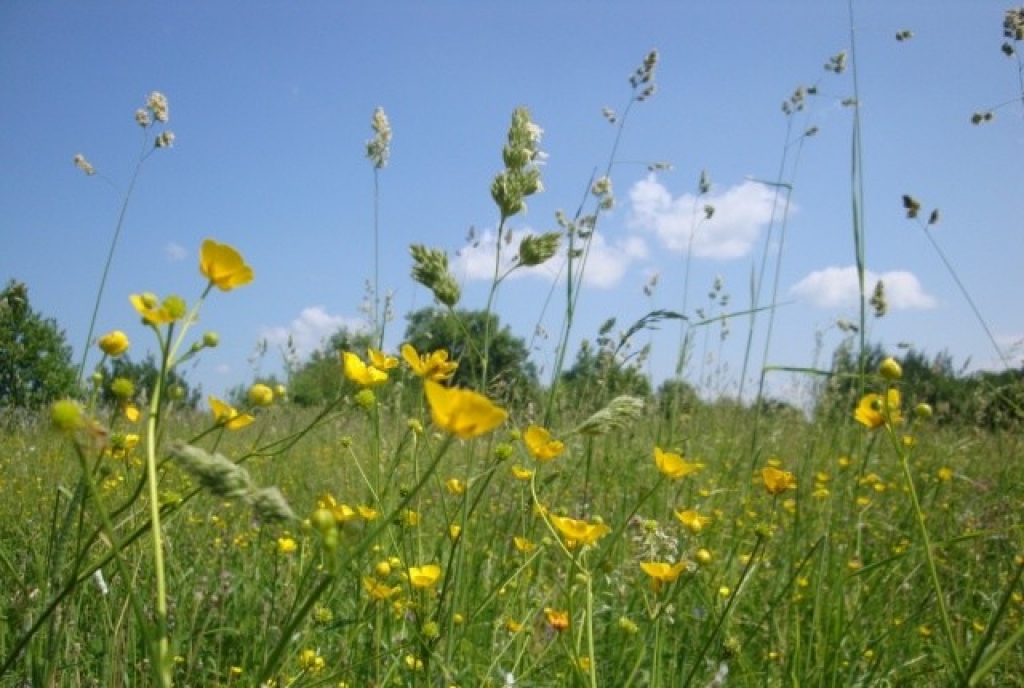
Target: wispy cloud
x: 309, y: 331
x: 605, y: 266
x: 679, y: 224
x: 174, y: 252
x: 836, y: 287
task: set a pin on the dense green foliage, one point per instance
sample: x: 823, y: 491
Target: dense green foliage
x: 985, y: 399
x: 35, y: 358
x: 510, y: 373
x: 318, y: 379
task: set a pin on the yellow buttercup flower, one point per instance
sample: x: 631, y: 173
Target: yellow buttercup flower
x: 367, y: 513
x: 227, y: 416
x: 462, y: 412
x: 155, y: 312
x: 523, y: 545
x: 131, y: 412
x: 661, y: 573
x: 424, y: 576
x: 223, y: 266
x: 540, y: 445
x: 379, y: 591
x: 692, y: 520
x: 673, y: 465
x: 360, y: 373
x: 875, y: 410
x: 581, y: 532
x: 557, y: 619
x: 777, y: 481
x: 520, y: 473
x: 435, y: 366
x: 380, y: 360
x: 114, y: 343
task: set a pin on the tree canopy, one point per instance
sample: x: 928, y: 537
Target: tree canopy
x: 35, y: 358
x: 511, y: 376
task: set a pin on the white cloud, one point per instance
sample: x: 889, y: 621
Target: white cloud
x: 174, y: 252
x: 606, y: 263
x: 837, y: 288
x: 740, y: 213
x: 309, y: 331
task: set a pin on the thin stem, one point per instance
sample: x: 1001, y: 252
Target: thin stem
x: 966, y: 295
x: 110, y: 256
x: 919, y: 517
x: 857, y: 203
x: 162, y: 664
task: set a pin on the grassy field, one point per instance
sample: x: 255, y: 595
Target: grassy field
x: 825, y: 582
x: 409, y: 533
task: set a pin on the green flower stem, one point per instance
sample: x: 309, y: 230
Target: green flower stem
x: 592, y: 652
x: 162, y: 659
x: 940, y: 598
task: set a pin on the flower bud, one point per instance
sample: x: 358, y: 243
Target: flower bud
x: 122, y: 388
x: 365, y: 399
x: 211, y: 339
x: 66, y: 415
x: 175, y: 306
x: 923, y: 411
x: 114, y: 343
x: 890, y: 369
x: 260, y: 395
x: 323, y: 521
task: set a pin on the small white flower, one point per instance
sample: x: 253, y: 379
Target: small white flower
x: 97, y: 576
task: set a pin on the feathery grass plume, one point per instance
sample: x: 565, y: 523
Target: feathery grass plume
x: 878, y: 300
x: 430, y: 268
x: 215, y: 472
x: 270, y: 505
x: 536, y: 249
x: 379, y: 147
x: 83, y: 164
x: 224, y: 478
x: 521, y: 155
x: 618, y: 414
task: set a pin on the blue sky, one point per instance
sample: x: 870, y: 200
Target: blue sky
x: 271, y: 103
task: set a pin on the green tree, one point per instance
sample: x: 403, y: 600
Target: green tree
x: 511, y: 376
x: 320, y: 378
x: 598, y: 376
x: 35, y: 358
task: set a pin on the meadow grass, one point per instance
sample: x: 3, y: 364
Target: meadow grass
x: 412, y: 534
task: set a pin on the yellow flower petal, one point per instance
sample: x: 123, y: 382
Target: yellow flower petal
x: 434, y: 366
x: 360, y: 373
x: 462, y: 412
x: 580, y: 531
x: 540, y: 445
x: 227, y: 416
x: 674, y: 465
x: 223, y: 266
x: 424, y: 576
x: 380, y: 360
x: 777, y: 481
